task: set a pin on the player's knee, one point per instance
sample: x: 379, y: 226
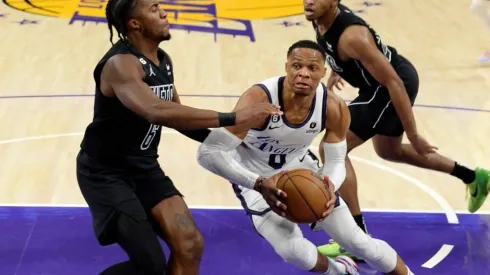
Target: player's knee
x: 189, y: 248
x: 377, y: 253
x: 391, y: 154
x: 298, y: 252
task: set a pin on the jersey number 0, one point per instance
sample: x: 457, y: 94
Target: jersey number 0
x: 276, y: 161
x: 152, y: 132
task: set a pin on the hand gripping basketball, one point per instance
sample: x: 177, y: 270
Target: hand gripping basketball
x: 273, y: 195
x: 329, y: 186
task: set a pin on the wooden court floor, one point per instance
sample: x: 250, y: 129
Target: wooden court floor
x: 49, y: 50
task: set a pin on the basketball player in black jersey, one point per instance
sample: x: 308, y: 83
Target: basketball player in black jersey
x: 130, y: 197
x: 388, y: 85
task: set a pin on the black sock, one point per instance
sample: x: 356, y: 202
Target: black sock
x: 124, y: 268
x: 463, y: 173
x: 360, y: 222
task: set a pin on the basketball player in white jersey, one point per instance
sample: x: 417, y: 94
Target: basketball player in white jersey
x: 480, y: 9
x: 253, y: 158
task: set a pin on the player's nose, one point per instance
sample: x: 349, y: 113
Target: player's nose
x: 163, y: 14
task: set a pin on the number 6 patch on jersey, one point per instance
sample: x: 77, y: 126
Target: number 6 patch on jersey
x: 152, y: 132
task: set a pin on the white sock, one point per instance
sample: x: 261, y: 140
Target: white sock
x: 335, y: 268
x: 409, y: 271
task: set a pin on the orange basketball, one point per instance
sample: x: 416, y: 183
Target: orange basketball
x: 306, y: 195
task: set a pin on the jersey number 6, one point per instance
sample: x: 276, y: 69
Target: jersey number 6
x: 152, y: 132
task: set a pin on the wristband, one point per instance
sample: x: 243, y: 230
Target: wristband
x: 259, y: 185
x: 226, y: 119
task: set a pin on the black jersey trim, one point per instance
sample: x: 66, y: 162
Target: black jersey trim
x: 324, y: 108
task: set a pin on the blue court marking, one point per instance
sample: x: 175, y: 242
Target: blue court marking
x: 60, y: 240
x: 455, y: 108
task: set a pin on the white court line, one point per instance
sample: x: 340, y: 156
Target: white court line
x: 14, y: 140
x: 452, y: 218
x: 222, y: 207
x: 449, y: 212
x: 439, y: 256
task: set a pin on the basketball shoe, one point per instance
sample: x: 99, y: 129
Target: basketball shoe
x: 350, y: 266
x: 333, y: 250
x: 477, y: 191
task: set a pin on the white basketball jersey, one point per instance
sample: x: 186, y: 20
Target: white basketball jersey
x: 279, y: 144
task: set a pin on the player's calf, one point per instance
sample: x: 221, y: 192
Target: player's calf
x: 181, y: 234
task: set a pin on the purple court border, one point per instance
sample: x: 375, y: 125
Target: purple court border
x: 466, y: 109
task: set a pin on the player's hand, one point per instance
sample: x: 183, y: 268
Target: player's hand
x: 273, y: 195
x: 329, y: 186
x: 335, y: 81
x: 256, y: 114
x: 422, y: 146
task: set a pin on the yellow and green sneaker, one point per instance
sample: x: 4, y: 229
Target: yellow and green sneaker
x: 477, y: 191
x: 333, y: 250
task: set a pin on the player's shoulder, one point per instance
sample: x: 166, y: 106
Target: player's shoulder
x: 336, y: 106
x: 262, y: 91
x: 124, y: 65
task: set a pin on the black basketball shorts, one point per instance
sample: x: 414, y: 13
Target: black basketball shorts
x: 373, y: 113
x: 109, y: 191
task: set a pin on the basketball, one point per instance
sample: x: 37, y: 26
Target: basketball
x: 306, y: 195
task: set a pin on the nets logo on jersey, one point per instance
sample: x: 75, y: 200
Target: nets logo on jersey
x: 204, y: 16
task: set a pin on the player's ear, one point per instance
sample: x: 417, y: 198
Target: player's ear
x: 134, y: 24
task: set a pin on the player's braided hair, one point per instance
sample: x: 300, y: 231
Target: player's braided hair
x: 117, y: 13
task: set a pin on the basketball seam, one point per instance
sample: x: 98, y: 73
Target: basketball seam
x: 325, y: 195
x: 299, y: 192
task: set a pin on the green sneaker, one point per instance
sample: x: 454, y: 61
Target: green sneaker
x: 333, y: 250
x: 477, y: 191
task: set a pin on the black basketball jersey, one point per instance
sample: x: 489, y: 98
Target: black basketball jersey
x: 352, y: 70
x: 118, y: 135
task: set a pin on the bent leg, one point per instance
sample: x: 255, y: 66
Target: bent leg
x: 391, y: 149
x: 377, y: 253
x: 140, y: 243
x: 477, y: 181
x: 181, y: 234
x: 288, y: 242
x: 172, y: 221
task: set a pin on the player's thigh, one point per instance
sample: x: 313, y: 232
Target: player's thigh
x: 108, y: 192
x: 362, y: 120
x: 389, y: 123
x: 169, y: 213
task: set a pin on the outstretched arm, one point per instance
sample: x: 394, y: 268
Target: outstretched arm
x: 198, y: 135
x: 334, y: 145
x: 122, y: 77
x: 214, y: 152
x: 358, y: 43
